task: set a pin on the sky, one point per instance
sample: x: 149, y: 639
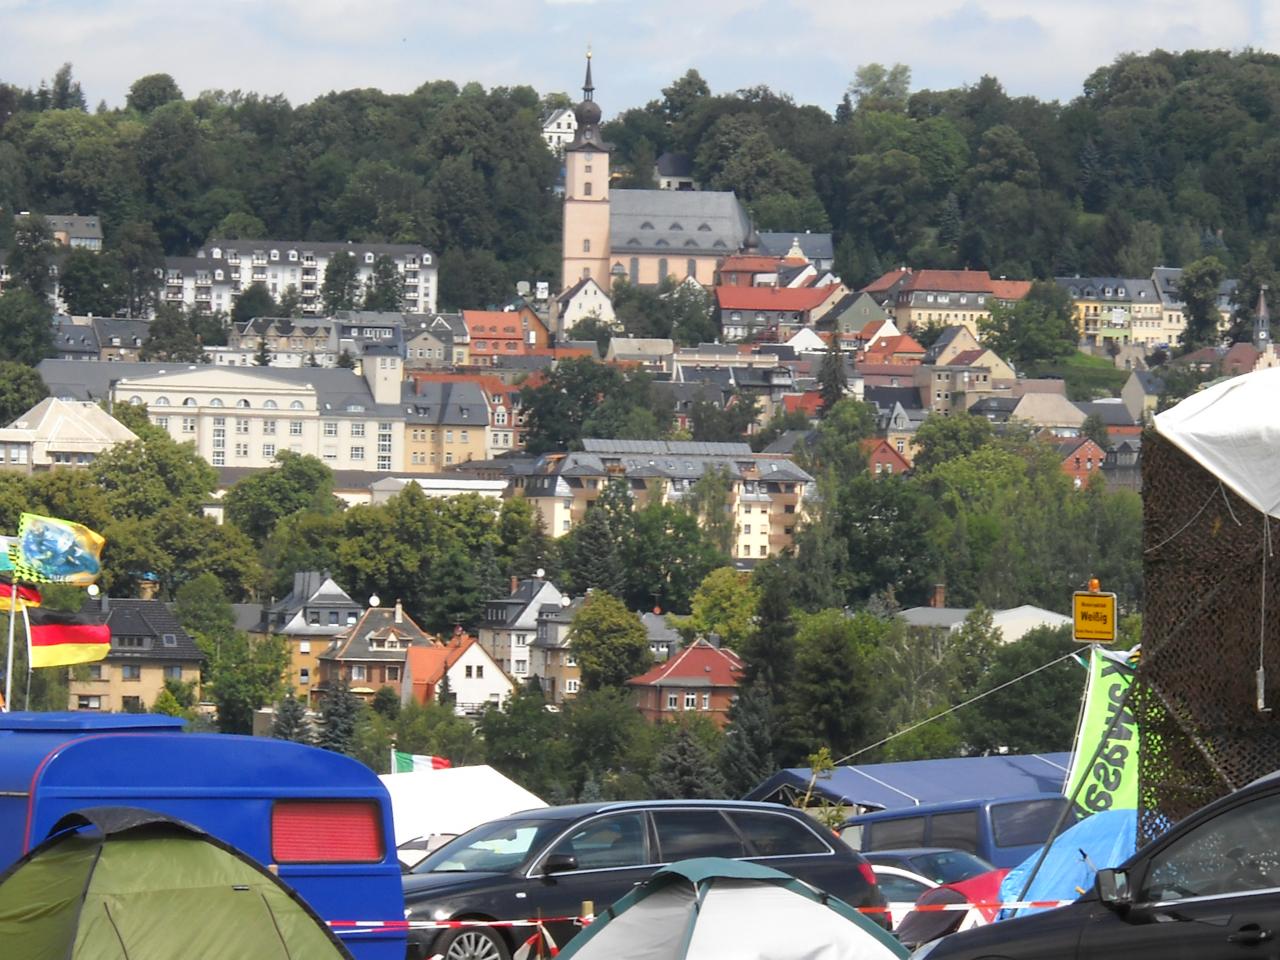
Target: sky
x: 808, y: 49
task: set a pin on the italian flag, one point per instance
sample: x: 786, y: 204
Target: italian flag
x: 415, y: 762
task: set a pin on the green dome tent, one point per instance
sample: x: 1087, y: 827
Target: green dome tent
x: 119, y: 883
x: 716, y: 908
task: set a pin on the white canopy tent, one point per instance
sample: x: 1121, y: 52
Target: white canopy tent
x: 439, y: 804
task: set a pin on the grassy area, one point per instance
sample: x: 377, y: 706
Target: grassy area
x: 1087, y: 377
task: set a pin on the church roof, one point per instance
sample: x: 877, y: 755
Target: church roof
x: 676, y: 223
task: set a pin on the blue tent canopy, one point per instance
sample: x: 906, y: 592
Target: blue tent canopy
x: 909, y: 783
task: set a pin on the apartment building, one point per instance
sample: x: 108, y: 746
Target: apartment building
x: 510, y: 624
x: 445, y: 423
x: 767, y: 492
x: 951, y: 298
x: 222, y: 269
x: 436, y: 342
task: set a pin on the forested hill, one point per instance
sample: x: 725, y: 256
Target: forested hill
x: 1161, y: 159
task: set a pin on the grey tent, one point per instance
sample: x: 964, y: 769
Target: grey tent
x: 717, y: 909
x: 119, y: 883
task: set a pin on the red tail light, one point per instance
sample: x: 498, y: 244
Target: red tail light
x: 326, y: 831
x: 868, y: 874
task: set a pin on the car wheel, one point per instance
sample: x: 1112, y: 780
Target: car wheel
x: 473, y: 943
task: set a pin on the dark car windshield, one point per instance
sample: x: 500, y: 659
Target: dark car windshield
x: 491, y: 847
x: 948, y: 866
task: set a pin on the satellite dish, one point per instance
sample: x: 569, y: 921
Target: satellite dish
x: 565, y: 601
x: 93, y: 590
x: 522, y: 288
x: 539, y: 573
x: 375, y: 600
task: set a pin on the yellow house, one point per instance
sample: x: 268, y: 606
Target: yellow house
x: 148, y: 648
x: 445, y: 423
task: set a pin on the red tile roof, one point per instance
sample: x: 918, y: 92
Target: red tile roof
x: 958, y: 281
x: 885, y: 281
x: 1010, y: 289
x: 492, y: 324
x: 772, y: 298
x: 714, y: 666
x: 428, y: 664
x: 964, y: 358
x: 899, y: 343
x: 809, y: 403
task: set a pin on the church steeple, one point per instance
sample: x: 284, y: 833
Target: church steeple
x: 1262, y: 321
x: 588, y: 88
x: 588, y: 115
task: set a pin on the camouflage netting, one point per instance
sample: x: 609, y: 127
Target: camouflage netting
x: 1195, y: 695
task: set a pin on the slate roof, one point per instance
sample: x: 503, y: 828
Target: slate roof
x: 676, y: 222
x: 76, y: 226
x: 448, y: 403
x: 75, y: 338
x: 886, y: 397
x: 376, y: 623
x: 149, y: 619
x: 1150, y: 383
x: 1113, y: 413
x: 247, y: 248
x: 885, y: 281
x: 815, y: 246
x: 131, y: 333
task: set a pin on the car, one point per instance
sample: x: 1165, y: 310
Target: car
x: 937, y: 864
x: 549, y: 862
x: 900, y: 888
x: 1207, y: 887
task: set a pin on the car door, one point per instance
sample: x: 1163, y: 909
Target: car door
x: 788, y: 844
x: 612, y: 856
x: 1211, y: 893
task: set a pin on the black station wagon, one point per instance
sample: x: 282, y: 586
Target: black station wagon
x: 548, y: 862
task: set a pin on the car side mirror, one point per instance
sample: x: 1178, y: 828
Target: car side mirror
x: 559, y: 863
x: 1112, y: 887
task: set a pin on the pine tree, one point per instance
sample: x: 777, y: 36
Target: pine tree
x: 291, y: 720
x: 594, y: 564
x: 263, y: 357
x: 338, y: 715
x: 949, y: 221
x: 686, y: 770
x: 833, y: 383
x: 747, y: 757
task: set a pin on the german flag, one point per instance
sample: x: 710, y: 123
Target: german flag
x: 27, y: 596
x: 58, y: 639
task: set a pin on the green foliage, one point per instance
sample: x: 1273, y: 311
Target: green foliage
x: 724, y: 604
x: 1198, y: 288
x: 524, y: 741
x: 256, y: 301
x: 93, y: 283
x: 1087, y: 377
x: 591, y: 555
x: 152, y: 91
x: 708, y: 501
x: 1040, y: 327
x: 340, y: 714
x: 433, y: 729
x: 32, y: 255
x: 747, y: 758
x: 386, y: 703
x: 385, y: 287
x: 1096, y: 430
x: 826, y: 700
x: 686, y: 769
x: 145, y: 476
x: 172, y: 337
x: 609, y: 642
x: 297, y: 482
x: 26, y: 322
x: 341, y: 284
x: 21, y: 388
x: 833, y: 382
x: 290, y: 722
x: 945, y: 438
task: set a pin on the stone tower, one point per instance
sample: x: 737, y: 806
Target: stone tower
x: 585, y: 250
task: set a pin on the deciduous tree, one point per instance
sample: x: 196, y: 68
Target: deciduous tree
x: 609, y: 642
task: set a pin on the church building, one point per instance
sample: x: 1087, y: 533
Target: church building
x: 643, y: 236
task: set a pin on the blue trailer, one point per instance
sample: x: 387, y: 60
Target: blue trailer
x: 320, y: 820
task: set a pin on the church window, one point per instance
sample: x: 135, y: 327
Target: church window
x: 586, y: 189
x: 675, y: 226
x: 646, y: 225
x: 691, y: 268
x: 662, y: 269
x: 586, y: 244
x: 635, y: 269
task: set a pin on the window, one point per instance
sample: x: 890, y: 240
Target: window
x: 706, y: 701
x: 189, y: 402
x: 662, y: 268
x: 586, y: 189
x: 357, y: 429
x: 607, y: 843
x: 960, y: 830
x: 467, y: 673
x: 480, y: 671
x: 88, y: 703
x: 892, y: 834
x: 586, y: 245
x: 242, y: 449
x: 161, y: 402
x: 777, y: 835
x: 358, y: 671
x: 520, y: 667
x: 695, y: 833
x: 269, y: 451
x: 304, y: 646
x: 571, y: 686
x: 173, y: 672
x: 522, y: 639
x: 393, y: 672
x: 357, y: 453
x: 270, y: 405
x: 295, y: 428
x: 242, y: 425
x: 690, y: 701
x: 330, y: 428
x: 295, y: 405
x: 131, y: 671
x: 691, y: 268
x: 1235, y: 852
x: 188, y: 424
x: 215, y: 402
x: 304, y: 675
x: 269, y: 428
x: 162, y: 423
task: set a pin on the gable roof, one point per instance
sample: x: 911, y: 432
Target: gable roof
x: 790, y: 299
x: 676, y: 222
x: 1010, y: 289
x: 809, y: 403
x: 127, y: 617
x: 376, y: 623
x: 69, y: 425
x: 428, y: 663
x: 697, y: 665
x: 1048, y: 409
x: 885, y: 281
x: 815, y: 246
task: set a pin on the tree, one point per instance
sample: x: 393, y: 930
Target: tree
x: 204, y: 612
x: 833, y: 382
x: 245, y: 676
x: 1096, y: 430
x: 940, y: 439
x: 1198, y: 287
x: 683, y: 95
x: 876, y: 87
x: 708, y: 501
x: 66, y: 93
x: 141, y: 255
x: 21, y: 388
x: 93, y: 284
x: 725, y: 605
x: 687, y: 770
x: 747, y: 759
x: 386, y: 703
x: 339, y: 714
x: 591, y: 556
x: 1038, y: 327
x: 341, y: 284
x: 609, y: 642
x: 262, y: 358
x: 152, y: 91
x: 290, y: 721
x: 665, y: 555
x: 254, y: 302
x: 32, y: 254
x: 828, y: 701
x: 28, y: 330
x: 385, y: 288
x: 525, y: 742
x: 172, y: 338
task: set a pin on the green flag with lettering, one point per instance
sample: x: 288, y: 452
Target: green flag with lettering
x: 1109, y: 775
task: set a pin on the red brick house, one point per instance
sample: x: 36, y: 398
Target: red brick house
x: 882, y: 459
x: 1081, y: 459
x: 700, y: 678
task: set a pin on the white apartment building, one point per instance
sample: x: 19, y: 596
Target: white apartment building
x: 216, y: 275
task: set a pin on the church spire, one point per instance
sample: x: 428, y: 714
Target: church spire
x: 588, y: 88
x: 587, y: 136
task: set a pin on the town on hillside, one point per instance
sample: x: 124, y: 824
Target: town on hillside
x: 886, y: 462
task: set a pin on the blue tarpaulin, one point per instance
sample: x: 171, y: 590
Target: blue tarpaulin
x: 909, y: 783
x: 1105, y: 839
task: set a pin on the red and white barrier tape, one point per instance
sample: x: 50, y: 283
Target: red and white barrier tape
x: 895, y: 908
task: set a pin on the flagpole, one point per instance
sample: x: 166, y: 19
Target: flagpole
x: 26, y: 626
x: 8, y: 672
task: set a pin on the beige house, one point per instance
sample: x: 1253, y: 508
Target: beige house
x: 148, y: 648
x: 766, y: 492
x: 440, y: 341
x: 60, y: 433
x: 446, y: 423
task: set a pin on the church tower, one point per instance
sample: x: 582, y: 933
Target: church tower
x: 585, y: 251
x: 1262, y: 322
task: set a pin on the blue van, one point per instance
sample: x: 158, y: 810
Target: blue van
x: 1003, y: 832
x: 319, y: 820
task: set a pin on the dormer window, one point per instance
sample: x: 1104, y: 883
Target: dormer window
x: 646, y: 225
x: 704, y: 228
x: 675, y: 226
x: 275, y: 255
x: 368, y: 258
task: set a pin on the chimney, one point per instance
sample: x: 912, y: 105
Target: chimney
x: 515, y: 584
x: 104, y: 603
x: 939, y: 597
x: 399, y: 612
x: 147, y: 589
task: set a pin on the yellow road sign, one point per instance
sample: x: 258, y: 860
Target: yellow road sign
x: 1095, y: 616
